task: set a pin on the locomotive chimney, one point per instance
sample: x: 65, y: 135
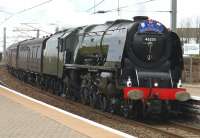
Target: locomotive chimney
x: 140, y: 18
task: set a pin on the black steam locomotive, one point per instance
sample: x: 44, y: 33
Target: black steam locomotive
x: 132, y: 67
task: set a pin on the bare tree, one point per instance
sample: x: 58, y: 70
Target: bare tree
x: 180, y: 31
x: 184, y: 31
x: 188, y: 33
x: 197, y: 29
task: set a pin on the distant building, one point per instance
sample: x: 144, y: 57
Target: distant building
x: 189, y: 35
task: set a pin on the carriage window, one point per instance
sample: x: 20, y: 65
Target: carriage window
x: 32, y: 54
x: 35, y: 48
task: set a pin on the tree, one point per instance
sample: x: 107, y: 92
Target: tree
x: 188, y: 32
x: 197, y: 29
x: 180, y: 31
x: 185, y: 31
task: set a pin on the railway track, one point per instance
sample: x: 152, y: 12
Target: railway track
x: 178, y: 130
x: 169, y: 129
x: 185, y: 127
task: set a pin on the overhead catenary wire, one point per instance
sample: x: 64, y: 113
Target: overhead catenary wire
x: 96, y: 5
x: 138, y: 3
x: 123, y: 7
x: 146, y: 1
x: 27, y: 24
x: 35, y: 6
x: 159, y: 11
x: 6, y: 12
x: 24, y: 10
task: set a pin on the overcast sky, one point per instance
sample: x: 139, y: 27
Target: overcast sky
x: 69, y: 13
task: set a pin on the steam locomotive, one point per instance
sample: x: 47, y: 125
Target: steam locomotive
x: 131, y: 67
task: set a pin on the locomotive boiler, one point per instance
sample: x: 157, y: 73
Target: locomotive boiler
x: 123, y: 66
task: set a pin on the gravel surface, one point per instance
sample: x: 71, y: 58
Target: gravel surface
x: 107, y: 119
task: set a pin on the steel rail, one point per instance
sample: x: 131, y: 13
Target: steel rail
x: 186, y: 127
x: 166, y: 132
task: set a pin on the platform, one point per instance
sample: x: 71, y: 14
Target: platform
x: 24, y: 117
x: 194, y: 90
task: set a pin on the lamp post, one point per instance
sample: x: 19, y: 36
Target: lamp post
x: 4, y: 43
